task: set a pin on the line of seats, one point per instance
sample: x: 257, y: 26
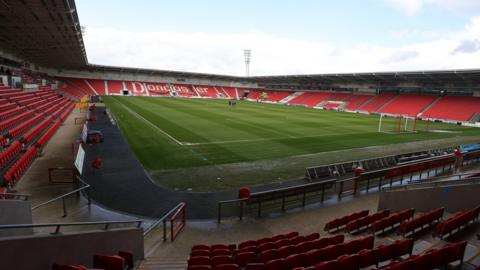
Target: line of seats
x: 20, y: 166
x: 353, y: 254
x: 432, y: 259
x: 43, y: 140
x: 7, y: 114
x: 458, y: 221
x: 354, y: 101
x: 391, y: 221
x: 10, y: 152
x: 20, y: 129
x: 35, y: 131
x: 123, y: 261
x: 366, y: 257
x: 11, y: 122
x: 426, y: 219
x: 453, y: 108
x: 340, y: 222
x: 363, y: 222
x: 377, y: 102
x: 408, y: 104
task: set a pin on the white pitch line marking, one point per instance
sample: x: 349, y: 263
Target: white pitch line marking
x: 151, y: 124
x: 262, y: 139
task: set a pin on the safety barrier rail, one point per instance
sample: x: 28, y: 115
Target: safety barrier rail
x: 289, y: 197
x: 78, y: 191
x: 58, y: 226
x: 177, y: 218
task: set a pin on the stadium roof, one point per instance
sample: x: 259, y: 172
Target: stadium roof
x: 48, y: 33
x: 43, y: 32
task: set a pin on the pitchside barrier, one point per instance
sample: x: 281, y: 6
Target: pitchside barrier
x: 346, y: 168
x: 298, y: 196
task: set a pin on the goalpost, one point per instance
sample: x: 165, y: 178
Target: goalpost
x: 395, y: 124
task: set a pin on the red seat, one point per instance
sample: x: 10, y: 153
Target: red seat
x: 349, y: 262
x: 199, y: 267
x: 218, y: 246
x: 277, y: 264
x: 266, y: 246
x: 200, y: 252
x: 297, y: 260
x: 330, y: 265
x: 287, y: 251
x: 229, y: 266
x: 199, y: 260
x: 222, y: 259
x: 248, y: 243
x: 305, y: 246
x: 109, y: 262
x: 268, y: 255
x: 367, y: 258
x: 245, y: 258
x: 220, y: 252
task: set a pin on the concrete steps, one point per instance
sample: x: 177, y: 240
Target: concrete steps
x: 163, y: 263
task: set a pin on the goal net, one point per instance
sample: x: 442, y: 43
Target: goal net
x: 395, y: 124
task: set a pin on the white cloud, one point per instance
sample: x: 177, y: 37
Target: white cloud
x: 223, y: 53
x: 410, y: 7
x: 413, y: 7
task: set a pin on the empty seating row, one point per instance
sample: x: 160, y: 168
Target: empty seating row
x: 458, y: 108
x: 9, y: 153
x: 10, y: 113
x: 43, y: 140
x: 363, y: 222
x: 21, y: 97
x: 391, y: 221
x: 285, y: 247
x: 27, y: 101
x: 35, y: 131
x: 11, y: 122
x: 432, y: 259
x: 410, y: 226
x: 7, y: 107
x: 342, y: 221
x: 367, y: 257
x: 3, y: 140
x: 456, y: 222
x: 14, y: 132
x: 362, y: 255
x: 20, y: 166
x: 408, y: 104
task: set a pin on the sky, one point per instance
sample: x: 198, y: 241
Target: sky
x: 285, y: 36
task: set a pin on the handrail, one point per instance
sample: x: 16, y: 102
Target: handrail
x: 63, y: 196
x: 67, y: 224
x: 163, y: 220
x: 25, y: 197
x: 274, y: 194
x: 434, y: 184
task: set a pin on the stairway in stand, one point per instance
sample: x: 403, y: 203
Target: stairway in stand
x: 163, y: 263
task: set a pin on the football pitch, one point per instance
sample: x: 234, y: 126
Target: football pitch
x: 176, y: 133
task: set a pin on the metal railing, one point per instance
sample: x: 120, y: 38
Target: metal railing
x: 15, y: 196
x: 371, y: 180
x: 58, y: 226
x: 436, y: 184
x: 66, y: 195
x: 294, y: 196
x: 169, y: 216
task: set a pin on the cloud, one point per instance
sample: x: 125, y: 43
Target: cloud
x: 410, y: 7
x: 399, y: 56
x: 274, y: 55
x: 414, y: 7
x: 467, y: 46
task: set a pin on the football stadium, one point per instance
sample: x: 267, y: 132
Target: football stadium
x: 209, y: 161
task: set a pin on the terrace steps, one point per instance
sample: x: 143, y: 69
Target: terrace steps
x: 163, y: 263
x: 290, y: 97
x: 386, y: 103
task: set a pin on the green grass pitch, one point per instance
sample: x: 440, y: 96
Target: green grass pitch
x: 172, y: 133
